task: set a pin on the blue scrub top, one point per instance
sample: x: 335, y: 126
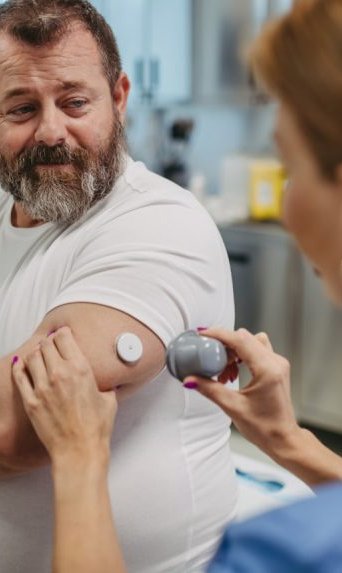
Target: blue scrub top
x: 299, y: 538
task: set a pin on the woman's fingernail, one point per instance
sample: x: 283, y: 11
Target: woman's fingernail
x: 15, y: 360
x: 190, y: 385
x: 51, y: 333
x: 200, y: 328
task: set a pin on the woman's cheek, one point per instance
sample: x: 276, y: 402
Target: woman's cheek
x: 291, y: 208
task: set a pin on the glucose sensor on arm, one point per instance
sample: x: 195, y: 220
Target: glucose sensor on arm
x: 129, y: 348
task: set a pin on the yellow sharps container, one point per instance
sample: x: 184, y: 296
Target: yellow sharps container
x: 267, y: 182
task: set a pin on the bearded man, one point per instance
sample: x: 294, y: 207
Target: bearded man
x: 92, y: 240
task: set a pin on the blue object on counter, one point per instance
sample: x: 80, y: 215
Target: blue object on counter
x: 268, y: 485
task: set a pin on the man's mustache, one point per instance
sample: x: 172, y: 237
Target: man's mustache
x: 57, y: 155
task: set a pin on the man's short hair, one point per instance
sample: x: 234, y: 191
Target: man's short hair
x: 45, y: 22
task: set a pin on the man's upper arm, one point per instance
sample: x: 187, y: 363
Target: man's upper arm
x: 161, y: 262
x: 96, y: 329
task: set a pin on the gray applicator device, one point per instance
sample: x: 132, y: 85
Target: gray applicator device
x: 191, y: 353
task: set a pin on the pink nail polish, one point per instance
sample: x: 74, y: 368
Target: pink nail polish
x: 200, y: 328
x: 15, y: 360
x: 51, y: 333
x: 190, y: 385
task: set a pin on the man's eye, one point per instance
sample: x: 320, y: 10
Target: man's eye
x: 21, y: 111
x: 76, y: 103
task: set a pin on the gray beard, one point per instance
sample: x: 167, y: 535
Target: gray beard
x: 58, y: 195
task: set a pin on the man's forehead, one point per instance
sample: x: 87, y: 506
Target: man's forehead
x: 76, y: 43
x: 66, y: 86
x: 73, y: 62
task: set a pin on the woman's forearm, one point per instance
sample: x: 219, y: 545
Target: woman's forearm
x: 306, y: 457
x: 85, y: 536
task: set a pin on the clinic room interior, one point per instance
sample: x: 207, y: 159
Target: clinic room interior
x: 171, y: 285
x: 204, y: 124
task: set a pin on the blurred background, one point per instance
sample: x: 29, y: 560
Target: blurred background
x: 197, y: 117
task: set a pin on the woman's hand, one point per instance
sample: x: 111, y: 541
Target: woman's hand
x: 60, y: 396
x: 262, y: 411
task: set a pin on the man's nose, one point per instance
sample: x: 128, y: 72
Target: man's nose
x: 51, y: 129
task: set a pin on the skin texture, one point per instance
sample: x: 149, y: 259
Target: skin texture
x: 38, y: 105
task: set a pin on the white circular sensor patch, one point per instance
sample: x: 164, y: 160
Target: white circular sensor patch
x: 129, y: 347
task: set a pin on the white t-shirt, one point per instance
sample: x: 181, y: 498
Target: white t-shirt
x: 149, y: 250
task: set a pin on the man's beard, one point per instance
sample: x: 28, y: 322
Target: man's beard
x: 63, y: 195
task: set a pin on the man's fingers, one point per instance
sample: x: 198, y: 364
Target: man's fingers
x: 229, y: 374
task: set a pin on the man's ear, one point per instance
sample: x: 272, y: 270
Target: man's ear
x: 120, y: 94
